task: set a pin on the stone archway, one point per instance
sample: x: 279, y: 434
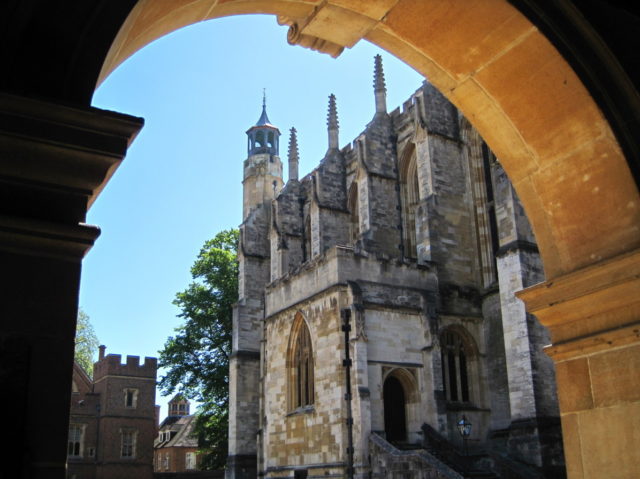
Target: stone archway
x: 537, y: 116
x: 561, y: 150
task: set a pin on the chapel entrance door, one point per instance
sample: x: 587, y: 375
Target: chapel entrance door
x: 395, y: 416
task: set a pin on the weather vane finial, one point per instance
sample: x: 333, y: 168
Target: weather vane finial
x: 264, y: 98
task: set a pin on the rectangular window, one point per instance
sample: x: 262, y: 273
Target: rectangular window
x: 130, y: 398
x: 300, y: 474
x: 166, y: 461
x: 74, y: 446
x: 190, y: 460
x: 128, y: 443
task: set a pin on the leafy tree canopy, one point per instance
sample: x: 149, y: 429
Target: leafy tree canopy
x: 197, y: 357
x: 86, y: 343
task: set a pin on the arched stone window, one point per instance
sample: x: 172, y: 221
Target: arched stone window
x: 301, y: 374
x: 480, y: 159
x: 410, y: 196
x: 456, y: 366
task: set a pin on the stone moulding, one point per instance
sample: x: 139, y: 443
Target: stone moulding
x: 67, y: 149
x: 608, y: 293
x: 296, y: 37
x: 51, y: 240
x: 318, y: 31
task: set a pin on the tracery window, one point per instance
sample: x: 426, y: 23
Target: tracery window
x: 481, y: 164
x: 487, y: 159
x: 301, y: 365
x: 455, y: 368
x: 74, y: 445
x: 410, y: 198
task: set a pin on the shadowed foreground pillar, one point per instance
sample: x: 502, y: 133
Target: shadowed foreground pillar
x: 54, y: 160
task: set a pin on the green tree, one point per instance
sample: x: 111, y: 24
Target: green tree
x: 197, y: 357
x: 86, y: 343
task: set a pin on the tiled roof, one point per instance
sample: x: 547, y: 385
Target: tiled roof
x: 182, y: 432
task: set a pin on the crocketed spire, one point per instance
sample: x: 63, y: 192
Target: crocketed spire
x: 379, y: 86
x: 332, y: 122
x: 294, y: 157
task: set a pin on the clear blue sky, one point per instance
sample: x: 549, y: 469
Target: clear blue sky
x: 199, y: 89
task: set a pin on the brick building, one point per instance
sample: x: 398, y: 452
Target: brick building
x: 413, y: 239
x: 113, y: 419
x: 175, y: 449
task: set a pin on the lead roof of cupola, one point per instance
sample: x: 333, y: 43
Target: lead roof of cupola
x: 263, y: 121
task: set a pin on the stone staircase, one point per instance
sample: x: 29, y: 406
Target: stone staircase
x: 437, y: 458
x: 390, y: 462
x: 414, y: 461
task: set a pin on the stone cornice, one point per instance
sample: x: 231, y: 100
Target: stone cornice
x: 590, y: 309
x: 62, y: 147
x: 52, y: 240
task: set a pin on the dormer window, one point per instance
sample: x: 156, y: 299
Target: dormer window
x: 130, y: 398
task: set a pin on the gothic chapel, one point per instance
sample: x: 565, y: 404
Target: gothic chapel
x: 376, y: 308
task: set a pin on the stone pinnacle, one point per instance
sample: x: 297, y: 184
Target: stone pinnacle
x: 378, y: 75
x: 294, y: 156
x: 332, y: 122
x: 379, y: 87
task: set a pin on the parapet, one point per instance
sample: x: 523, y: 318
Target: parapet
x: 112, y: 365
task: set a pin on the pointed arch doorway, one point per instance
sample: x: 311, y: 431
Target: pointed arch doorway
x: 395, y: 410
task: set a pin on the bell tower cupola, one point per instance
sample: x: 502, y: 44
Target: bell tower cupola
x: 262, y: 179
x: 263, y: 137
